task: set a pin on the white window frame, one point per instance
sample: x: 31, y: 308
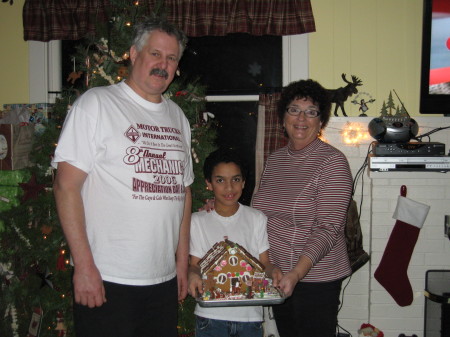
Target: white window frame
x: 45, y: 69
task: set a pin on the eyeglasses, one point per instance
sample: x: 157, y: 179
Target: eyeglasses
x: 310, y: 113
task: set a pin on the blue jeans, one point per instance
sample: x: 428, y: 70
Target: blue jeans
x: 205, y: 327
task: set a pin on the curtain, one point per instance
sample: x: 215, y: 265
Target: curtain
x: 269, y: 132
x: 46, y: 20
x: 256, y: 17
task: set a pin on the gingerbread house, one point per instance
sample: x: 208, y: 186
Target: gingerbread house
x: 229, y: 270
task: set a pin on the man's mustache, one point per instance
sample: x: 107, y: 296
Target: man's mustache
x: 159, y: 72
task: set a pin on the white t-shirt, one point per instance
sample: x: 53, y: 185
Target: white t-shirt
x: 247, y: 227
x: 137, y: 157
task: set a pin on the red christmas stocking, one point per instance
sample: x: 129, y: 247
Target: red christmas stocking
x: 392, y: 271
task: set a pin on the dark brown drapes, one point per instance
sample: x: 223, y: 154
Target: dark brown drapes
x: 269, y: 133
x: 46, y: 20
x: 256, y: 17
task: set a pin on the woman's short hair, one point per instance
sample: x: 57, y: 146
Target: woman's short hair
x: 306, y: 89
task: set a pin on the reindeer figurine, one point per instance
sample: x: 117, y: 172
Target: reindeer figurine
x: 340, y: 95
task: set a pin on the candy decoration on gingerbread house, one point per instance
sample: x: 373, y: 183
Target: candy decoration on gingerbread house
x: 230, y: 271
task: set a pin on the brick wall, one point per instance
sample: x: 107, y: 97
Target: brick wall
x: 364, y: 299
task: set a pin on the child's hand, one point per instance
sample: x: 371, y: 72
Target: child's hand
x: 195, y: 286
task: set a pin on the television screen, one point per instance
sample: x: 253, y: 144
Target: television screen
x: 435, y: 80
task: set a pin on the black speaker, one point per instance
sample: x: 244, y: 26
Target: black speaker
x: 393, y: 129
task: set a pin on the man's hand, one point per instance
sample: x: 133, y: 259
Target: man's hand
x: 88, y: 286
x: 182, y: 281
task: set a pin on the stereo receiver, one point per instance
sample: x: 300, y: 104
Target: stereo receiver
x: 408, y: 149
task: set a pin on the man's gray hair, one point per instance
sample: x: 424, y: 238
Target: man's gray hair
x: 144, y: 28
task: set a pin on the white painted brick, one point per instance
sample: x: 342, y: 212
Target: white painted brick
x: 437, y: 259
x: 379, y: 204
x: 364, y: 299
x: 428, y: 246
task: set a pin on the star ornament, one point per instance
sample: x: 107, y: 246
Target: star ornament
x: 31, y: 189
x: 46, y: 278
x: 254, y: 69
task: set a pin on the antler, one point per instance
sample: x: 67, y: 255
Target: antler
x: 345, y: 80
x: 356, y: 80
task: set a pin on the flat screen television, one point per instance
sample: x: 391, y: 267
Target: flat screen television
x: 435, y: 77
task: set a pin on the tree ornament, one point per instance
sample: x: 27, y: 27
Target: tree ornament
x: 195, y: 156
x: 31, y: 189
x: 36, y: 322
x: 61, y: 262
x: 11, y: 310
x: 88, y: 66
x: 60, y: 326
x: 46, y: 278
x: 46, y: 230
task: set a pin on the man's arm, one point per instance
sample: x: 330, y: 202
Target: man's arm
x: 88, y: 284
x: 183, y: 247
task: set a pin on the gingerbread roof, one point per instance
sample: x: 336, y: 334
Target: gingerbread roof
x: 217, y: 252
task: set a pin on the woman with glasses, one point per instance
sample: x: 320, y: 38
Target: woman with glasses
x: 305, y: 192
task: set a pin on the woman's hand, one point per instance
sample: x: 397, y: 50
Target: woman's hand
x: 288, y: 282
x: 276, y: 276
x: 208, y: 206
x: 290, y: 279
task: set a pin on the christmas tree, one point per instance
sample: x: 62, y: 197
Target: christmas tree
x: 35, y: 273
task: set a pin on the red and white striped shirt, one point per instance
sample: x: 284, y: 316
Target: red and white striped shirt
x: 305, y: 195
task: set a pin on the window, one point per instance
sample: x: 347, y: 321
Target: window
x: 45, y: 67
x: 235, y: 64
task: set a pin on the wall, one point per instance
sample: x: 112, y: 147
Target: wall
x: 378, y: 41
x: 13, y: 55
x: 365, y: 300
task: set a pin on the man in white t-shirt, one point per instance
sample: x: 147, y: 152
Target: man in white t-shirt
x: 123, y: 198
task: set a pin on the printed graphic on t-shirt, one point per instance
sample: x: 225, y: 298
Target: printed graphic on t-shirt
x: 157, y: 155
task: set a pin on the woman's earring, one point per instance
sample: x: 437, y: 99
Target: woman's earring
x: 178, y: 72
